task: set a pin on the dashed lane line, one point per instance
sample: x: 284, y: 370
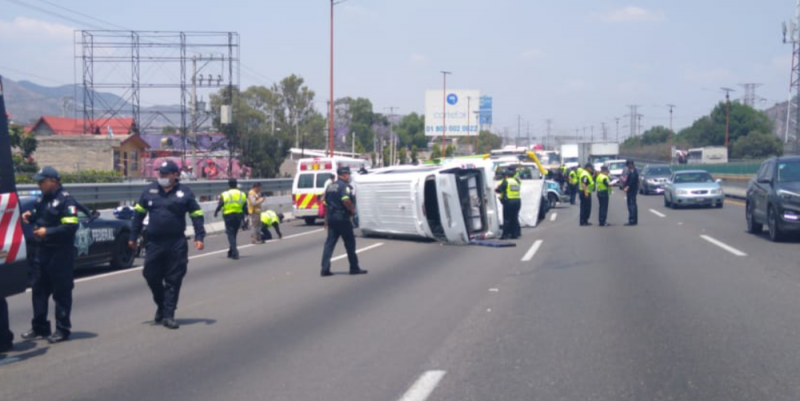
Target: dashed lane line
x: 553, y: 217
x: 424, y: 386
x: 723, y: 245
x: 373, y: 246
x: 532, y: 251
x: 657, y: 213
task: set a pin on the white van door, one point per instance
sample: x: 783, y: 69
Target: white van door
x: 452, y: 216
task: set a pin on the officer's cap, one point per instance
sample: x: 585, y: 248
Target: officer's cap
x: 233, y: 183
x: 508, y: 172
x: 629, y: 162
x: 604, y: 168
x: 46, y: 172
x: 343, y: 170
x: 589, y: 165
x: 168, y: 167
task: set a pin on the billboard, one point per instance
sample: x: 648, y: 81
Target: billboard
x: 457, y: 109
x: 486, y: 110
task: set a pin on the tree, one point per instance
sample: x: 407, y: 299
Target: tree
x: 710, y: 130
x: 450, y: 151
x: 411, y: 131
x: 25, y: 143
x: 387, y: 160
x: 414, y: 155
x: 374, y: 157
x: 657, y: 134
x: 436, y: 153
x: 487, y: 141
x: 757, y: 145
x: 402, y: 155
x: 168, y: 130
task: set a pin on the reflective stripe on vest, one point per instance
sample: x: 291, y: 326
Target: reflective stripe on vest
x: 233, y: 201
x: 512, y: 189
x: 269, y: 217
x: 603, y: 183
x: 590, y: 183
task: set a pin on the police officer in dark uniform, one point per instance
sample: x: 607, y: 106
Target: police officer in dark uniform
x: 338, y: 215
x: 55, y: 221
x: 631, y: 188
x: 6, y: 336
x: 167, y: 201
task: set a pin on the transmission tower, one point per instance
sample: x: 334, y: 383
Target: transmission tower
x: 750, y: 98
x: 791, y: 34
x: 635, y: 119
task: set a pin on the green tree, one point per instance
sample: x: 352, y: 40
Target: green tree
x: 168, y: 130
x: 436, y: 152
x: 25, y: 143
x: 657, y: 134
x: 402, y: 155
x: 414, y: 155
x: 757, y: 145
x: 387, y: 157
x: 487, y: 141
x: 450, y: 151
x: 374, y: 158
x: 710, y: 130
x: 411, y: 131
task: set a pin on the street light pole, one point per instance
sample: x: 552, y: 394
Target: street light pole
x: 330, y: 107
x: 727, y: 114
x: 444, y: 111
x: 671, y: 154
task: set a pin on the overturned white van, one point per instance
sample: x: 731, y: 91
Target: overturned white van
x: 452, y: 203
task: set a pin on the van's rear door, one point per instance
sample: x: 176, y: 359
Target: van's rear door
x: 450, y: 209
x: 13, y: 254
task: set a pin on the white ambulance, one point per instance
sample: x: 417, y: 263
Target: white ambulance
x: 312, y: 176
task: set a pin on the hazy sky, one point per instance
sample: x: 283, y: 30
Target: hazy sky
x: 578, y: 62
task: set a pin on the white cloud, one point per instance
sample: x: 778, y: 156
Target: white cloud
x: 710, y: 76
x: 631, y: 14
x: 531, y: 54
x: 23, y: 29
x: 417, y: 58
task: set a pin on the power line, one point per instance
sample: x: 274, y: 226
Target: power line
x: 84, y: 15
x: 54, y: 14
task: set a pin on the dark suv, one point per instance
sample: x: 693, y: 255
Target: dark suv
x: 773, y: 198
x: 653, y: 178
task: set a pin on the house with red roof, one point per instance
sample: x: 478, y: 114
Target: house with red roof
x: 52, y: 125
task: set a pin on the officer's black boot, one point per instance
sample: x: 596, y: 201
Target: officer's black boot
x: 171, y: 323
x: 159, y: 318
x: 34, y: 334
x: 58, y: 337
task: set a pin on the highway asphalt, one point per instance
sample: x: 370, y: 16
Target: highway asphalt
x: 686, y: 306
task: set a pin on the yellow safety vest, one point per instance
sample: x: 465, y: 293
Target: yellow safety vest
x: 573, y: 177
x: 512, y: 189
x: 269, y: 218
x: 590, y: 184
x: 603, y: 183
x: 233, y: 201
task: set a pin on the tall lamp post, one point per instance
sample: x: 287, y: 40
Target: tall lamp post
x: 727, y: 114
x: 330, y: 107
x: 444, y: 111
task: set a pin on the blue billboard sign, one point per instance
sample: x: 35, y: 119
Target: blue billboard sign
x: 486, y: 110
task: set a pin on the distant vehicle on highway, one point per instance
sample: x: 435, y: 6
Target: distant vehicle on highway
x: 97, y: 241
x: 693, y: 188
x: 653, y: 178
x: 773, y: 198
x: 615, y: 168
x: 708, y: 155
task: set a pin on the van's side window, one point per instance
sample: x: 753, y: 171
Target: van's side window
x: 305, y: 181
x: 322, y: 178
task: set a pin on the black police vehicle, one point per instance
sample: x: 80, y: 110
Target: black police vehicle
x: 773, y: 198
x: 98, y: 241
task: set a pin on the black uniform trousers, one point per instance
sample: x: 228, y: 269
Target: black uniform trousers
x: 6, y: 336
x: 573, y: 191
x: 511, y: 226
x: 164, y: 269
x: 233, y: 223
x: 52, y: 275
x: 340, y: 228
x: 586, y: 207
x: 602, y: 198
x: 633, y: 210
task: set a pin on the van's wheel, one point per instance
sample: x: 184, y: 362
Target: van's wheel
x: 310, y: 220
x: 752, y: 226
x: 124, y: 255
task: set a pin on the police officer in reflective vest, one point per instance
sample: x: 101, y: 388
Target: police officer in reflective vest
x: 572, y: 185
x: 232, y: 203
x: 55, y: 221
x: 509, y: 190
x: 603, y: 184
x: 587, y: 186
x: 338, y: 215
x: 270, y: 219
x: 167, y: 202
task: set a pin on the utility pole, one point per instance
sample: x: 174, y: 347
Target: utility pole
x: 617, y: 120
x: 603, y: 130
x: 727, y: 114
x: 192, y: 128
x: 392, y: 141
x: 444, y: 111
x: 591, y: 132
x: 528, y: 140
x: 791, y: 34
x: 469, y: 128
x: 549, y: 122
x: 332, y: 99
x: 477, y: 137
x: 634, y: 116
x: 671, y: 133
x: 519, y: 128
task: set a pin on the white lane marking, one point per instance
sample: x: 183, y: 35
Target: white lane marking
x: 723, y: 245
x: 535, y: 247
x: 340, y: 257
x: 424, y: 386
x: 553, y: 217
x: 190, y: 258
x: 657, y: 213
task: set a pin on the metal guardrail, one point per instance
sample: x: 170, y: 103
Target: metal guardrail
x: 126, y: 191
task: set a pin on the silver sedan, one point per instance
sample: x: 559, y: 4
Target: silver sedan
x: 693, y: 188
